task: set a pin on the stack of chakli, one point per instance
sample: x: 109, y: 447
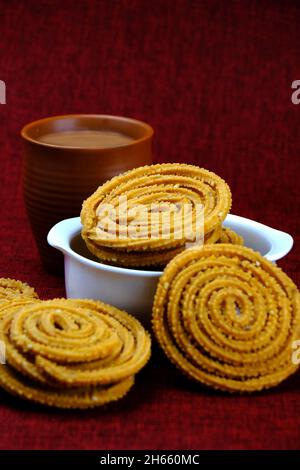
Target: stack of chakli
x: 123, y: 220
x: 228, y: 318
x: 67, y: 353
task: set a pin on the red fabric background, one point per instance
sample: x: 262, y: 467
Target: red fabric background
x: 214, y: 79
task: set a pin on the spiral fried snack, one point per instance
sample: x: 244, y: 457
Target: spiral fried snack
x: 71, y: 353
x: 10, y: 289
x: 124, y: 221
x: 227, y: 317
x: 9, y: 307
x: 230, y: 236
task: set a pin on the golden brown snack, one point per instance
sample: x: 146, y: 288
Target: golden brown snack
x: 16, y: 384
x: 71, y: 353
x: 10, y: 289
x: 227, y: 317
x: 9, y: 307
x: 230, y: 236
x: 141, y: 201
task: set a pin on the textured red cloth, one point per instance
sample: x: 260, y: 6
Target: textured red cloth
x: 214, y: 80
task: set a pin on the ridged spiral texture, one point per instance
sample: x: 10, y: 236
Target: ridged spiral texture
x: 230, y: 236
x: 227, y: 317
x: 71, y: 353
x: 10, y: 289
x: 167, y: 186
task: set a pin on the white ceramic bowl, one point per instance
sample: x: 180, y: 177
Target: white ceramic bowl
x: 133, y: 289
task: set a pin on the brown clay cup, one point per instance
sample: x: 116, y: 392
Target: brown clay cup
x: 57, y: 179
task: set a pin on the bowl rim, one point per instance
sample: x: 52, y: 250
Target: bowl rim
x: 149, y: 131
x: 74, y: 230
x: 73, y: 227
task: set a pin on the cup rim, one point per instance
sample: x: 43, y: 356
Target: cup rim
x: 149, y: 131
